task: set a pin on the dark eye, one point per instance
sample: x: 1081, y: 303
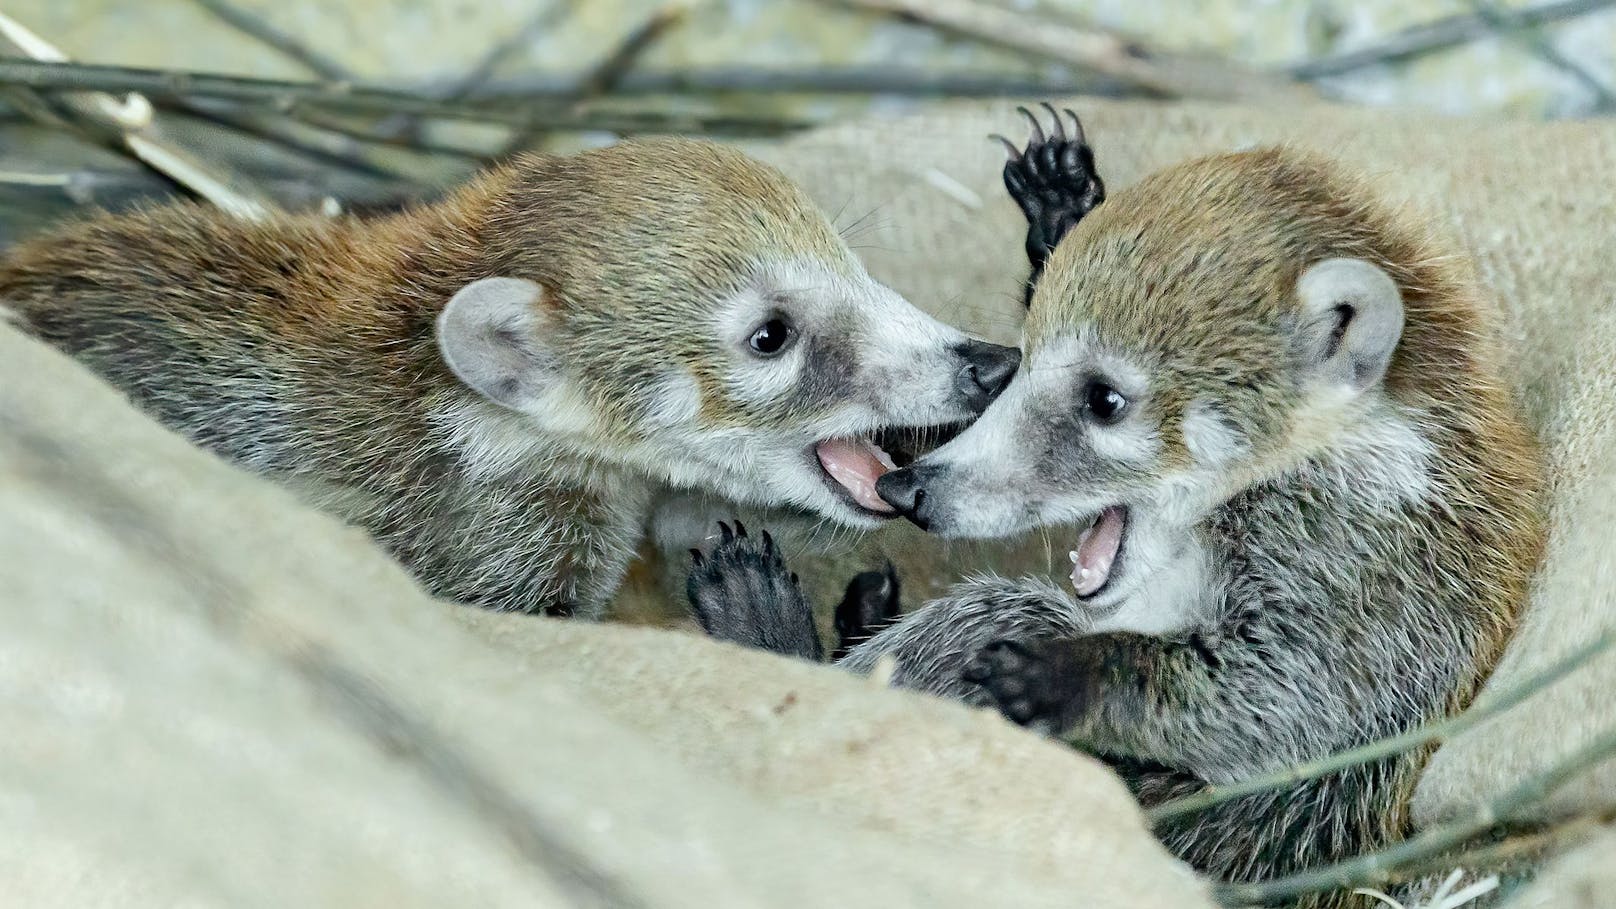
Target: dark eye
x: 1104, y: 403
x: 772, y: 337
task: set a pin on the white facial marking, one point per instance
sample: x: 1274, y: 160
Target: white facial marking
x: 907, y: 358
x: 490, y: 443
x: 675, y: 400
x: 1165, y: 584
x: 795, y: 292
x: 1072, y: 362
x: 1385, y: 458
x: 1132, y: 441
x: 1212, y: 440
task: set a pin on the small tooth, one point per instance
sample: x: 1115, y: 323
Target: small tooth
x: 1073, y: 556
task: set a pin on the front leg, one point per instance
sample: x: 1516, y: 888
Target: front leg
x: 870, y: 603
x: 1055, y: 182
x: 1045, y: 685
x: 1220, y: 710
x: 930, y: 647
x: 743, y: 593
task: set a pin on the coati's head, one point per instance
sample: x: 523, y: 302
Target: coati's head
x: 677, y: 307
x: 1207, y: 329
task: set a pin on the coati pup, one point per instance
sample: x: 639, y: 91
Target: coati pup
x: 1304, y: 508
x: 495, y: 385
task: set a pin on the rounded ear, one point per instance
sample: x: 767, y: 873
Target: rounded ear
x: 1352, y: 319
x: 489, y: 336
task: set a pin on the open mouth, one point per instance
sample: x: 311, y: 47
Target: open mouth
x: 1099, y: 551
x: 853, y: 465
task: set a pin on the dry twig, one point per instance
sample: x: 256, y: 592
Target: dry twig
x: 1530, y: 38
x: 1485, y: 709
x: 1441, y: 35
x: 1378, y: 869
x: 251, y: 25
x: 604, y: 76
x: 857, y: 80
x: 1092, y: 49
x: 289, y: 96
x: 128, y: 124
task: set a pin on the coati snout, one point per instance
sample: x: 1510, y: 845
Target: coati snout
x: 1113, y: 429
x: 801, y: 386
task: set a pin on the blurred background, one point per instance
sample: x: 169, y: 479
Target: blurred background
x: 346, y: 105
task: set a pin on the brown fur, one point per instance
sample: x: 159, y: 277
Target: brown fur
x: 304, y: 347
x: 1229, y: 260
x: 1344, y: 606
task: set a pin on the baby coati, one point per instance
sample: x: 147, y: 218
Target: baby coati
x: 1303, y: 507
x: 496, y: 384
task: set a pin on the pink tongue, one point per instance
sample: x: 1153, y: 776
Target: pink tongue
x: 856, y: 464
x: 1096, y: 550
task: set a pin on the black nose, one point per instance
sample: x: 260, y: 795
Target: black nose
x: 905, y: 490
x: 988, y: 369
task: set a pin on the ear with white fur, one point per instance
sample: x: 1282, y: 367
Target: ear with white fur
x: 490, y: 336
x: 1352, y: 319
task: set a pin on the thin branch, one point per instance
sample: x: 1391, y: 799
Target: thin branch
x: 857, y: 80
x: 86, y: 187
x: 1092, y: 49
x: 128, y: 125
x: 262, y: 31
x: 1532, y: 40
x: 338, y: 124
x: 325, y: 146
x: 408, y: 128
x: 480, y: 72
x: 288, y: 96
x: 1509, y: 853
x: 604, y: 77
x: 1376, y: 869
x: 1440, y: 35
x: 1484, y: 709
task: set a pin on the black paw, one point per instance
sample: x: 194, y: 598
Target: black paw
x: 742, y: 592
x: 869, y: 605
x: 1030, y: 683
x: 1054, y: 181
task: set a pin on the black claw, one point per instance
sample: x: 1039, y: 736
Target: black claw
x: 1077, y: 126
x: 1060, y: 128
x: 1008, y: 146
x: 1038, y: 137
x: 741, y: 592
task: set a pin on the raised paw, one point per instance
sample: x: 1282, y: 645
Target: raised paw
x: 869, y: 604
x: 1029, y: 682
x: 742, y: 592
x: 1054, y: 181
